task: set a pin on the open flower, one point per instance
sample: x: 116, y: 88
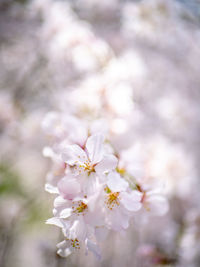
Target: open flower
x: 92, y: 159
x: 77, y: 219
x: 119, y: 202
x: 77, y: 237
x: 68, y: 246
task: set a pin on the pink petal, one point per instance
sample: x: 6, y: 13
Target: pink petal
x: 69, y: 188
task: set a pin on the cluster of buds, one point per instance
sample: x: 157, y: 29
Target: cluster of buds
x: 95, y: 191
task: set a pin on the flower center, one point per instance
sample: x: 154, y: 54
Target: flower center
x: 112, y: 198
x: 87, y: 166
x: 79, y: 208
x: 74, y: 243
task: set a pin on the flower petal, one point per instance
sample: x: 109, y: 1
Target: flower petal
x: 74, y: 154
x: 55, y: 221
x: 59, y: 204
x: 116, y: 183
x: 118, y: 220
x: 51, y: 189
x: 69, y: 188
x: 65, y: 213
x: 90, y: 184
x: 78, y: 229
x: 93, y: 248
x: 94, y: 146
x: 63, y: 249
x: 108, y: 163
x: 131, y: 201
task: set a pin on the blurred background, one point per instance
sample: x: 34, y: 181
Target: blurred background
x: 57, y: 55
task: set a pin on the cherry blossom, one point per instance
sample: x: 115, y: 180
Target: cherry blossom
x: 92, y: 159
x: 95, y: 185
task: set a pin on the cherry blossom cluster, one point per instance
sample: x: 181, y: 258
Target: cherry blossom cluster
x: 96, y: 189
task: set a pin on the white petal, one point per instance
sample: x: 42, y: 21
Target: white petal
x: 69, y: 188
x: 116, y: 183
x: 62, y: 245
x: 63, y: 249
x: 64, y: 252
x: 93, y: 200
x: 93, y: 248
x: 131, y: 201
x: 90, y: 184
x: 108, y: 163
x: 65, y: 213
x: 74, y: 154
x: 94, y: 146
x: 60, y: 202
x: 51, y: 189
x: 55, y: 221
x: 118, y: 220
x: 78, y: 229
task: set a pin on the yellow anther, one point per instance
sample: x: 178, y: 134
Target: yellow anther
x: 87, y: 166
x: 80, y: 208
x: 112, y: 199
x: 121, y: 171
x: 75, y: 243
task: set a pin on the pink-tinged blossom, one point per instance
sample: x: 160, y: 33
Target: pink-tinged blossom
x: 86, y: 207
x: 72, y: 218
x: 130, y: 200
x: 68, y: 246
x: 91, y: 159
x: 77, y: 237
x: 92, y: 196
x: 69, y: 187
x: 119, y: 202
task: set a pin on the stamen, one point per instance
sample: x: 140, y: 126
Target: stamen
x: 112, y: 199
x: 87, y: 166
x: 79, y: 208
x: 74, y: 243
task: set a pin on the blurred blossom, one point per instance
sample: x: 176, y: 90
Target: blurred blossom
x: 99, y: 105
